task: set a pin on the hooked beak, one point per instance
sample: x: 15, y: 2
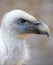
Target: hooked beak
x: 43, y: 29
x: 39, y: 28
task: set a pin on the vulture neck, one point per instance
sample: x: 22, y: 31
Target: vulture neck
x: 11, y: 40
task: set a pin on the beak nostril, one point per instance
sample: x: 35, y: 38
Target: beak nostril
x: 38, y: 23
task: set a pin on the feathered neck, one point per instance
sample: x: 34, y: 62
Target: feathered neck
x: 11, y: 40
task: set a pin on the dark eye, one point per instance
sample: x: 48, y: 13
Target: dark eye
x: 22, y: 20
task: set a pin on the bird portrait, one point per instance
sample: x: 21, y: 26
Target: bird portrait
x: 16, y: 26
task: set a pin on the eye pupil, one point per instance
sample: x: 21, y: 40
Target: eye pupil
x: 23, y: 21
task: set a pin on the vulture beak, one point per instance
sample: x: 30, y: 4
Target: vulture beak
x: 40, y: 28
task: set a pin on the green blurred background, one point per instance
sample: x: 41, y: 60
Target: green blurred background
x: 40, y: 46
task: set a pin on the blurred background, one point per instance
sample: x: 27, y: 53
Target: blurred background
x: 40, y: 46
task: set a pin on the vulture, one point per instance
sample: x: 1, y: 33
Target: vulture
x: 16, y: 26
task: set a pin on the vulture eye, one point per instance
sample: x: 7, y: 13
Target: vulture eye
x: 22, y: 20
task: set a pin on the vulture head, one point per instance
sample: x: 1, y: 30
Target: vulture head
x: 23, y: 24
